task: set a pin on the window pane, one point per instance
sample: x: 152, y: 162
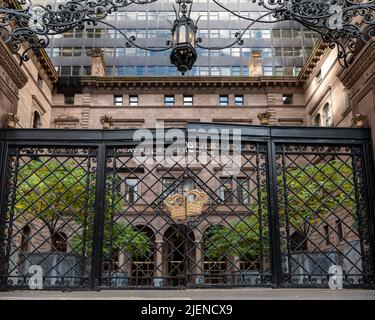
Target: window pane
x: 226, y: 189
x: 117, y: 100
x: 133, y: 101
x: 131, y: 190
x: 287, y: 98
x: 188, y: 100
x: 223, y: 100
x: 238, y: 100
x: 169, y: 101
x: 243, y: 190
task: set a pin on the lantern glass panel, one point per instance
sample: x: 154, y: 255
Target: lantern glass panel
x: 182, y: 34
x: 191, y: 37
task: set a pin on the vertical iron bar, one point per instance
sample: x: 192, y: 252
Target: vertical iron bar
x: 286, y: 214
x: 369, y: 187
x: 3, y: 178
x: 273, y: 215
x: 357, y: 196
x: 97, y: 241
x: 11, y: 212
x: 186, y: 259
x: 86, y: 214
x: 260, y: 208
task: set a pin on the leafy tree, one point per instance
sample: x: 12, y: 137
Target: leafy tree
x: 60, y: 192
x: 117, y: 236
x: 240, y: 238
x: 310, y: 195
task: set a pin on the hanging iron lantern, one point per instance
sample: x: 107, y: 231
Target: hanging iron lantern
x: 184, y: 55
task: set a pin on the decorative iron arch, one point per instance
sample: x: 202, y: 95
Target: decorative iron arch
x: 25, y: 26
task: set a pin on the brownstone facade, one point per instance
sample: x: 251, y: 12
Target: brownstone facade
x: 26, y: 90
x: 256, y: 95
x: 324, y: 94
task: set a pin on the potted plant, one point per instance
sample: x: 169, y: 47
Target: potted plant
x: 264, y: 118
x: 11, y: 120
x: 359, y: 120
x: 106, y: 121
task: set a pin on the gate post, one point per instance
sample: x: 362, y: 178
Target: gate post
x: 97, y: 241
x: 369, y: 186
x: 3, y: 176
x: 273, y: 215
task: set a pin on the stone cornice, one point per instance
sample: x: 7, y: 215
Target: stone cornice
x: 179, y: 107
x: 189, y: 82
x: 314, y: 58
x: 11, y: 67
x: 45, y: 62
x: 362, y: 62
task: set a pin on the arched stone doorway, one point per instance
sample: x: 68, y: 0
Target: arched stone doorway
x: 59, y: 242
x: 214, y: 263
x: 143, y: 266
x: 178, y: 255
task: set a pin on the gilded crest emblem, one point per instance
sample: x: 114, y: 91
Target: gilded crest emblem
x: 187, y: 205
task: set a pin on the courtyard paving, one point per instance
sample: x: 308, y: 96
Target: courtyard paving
x: 195, y: 294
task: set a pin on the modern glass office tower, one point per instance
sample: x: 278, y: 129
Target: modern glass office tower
x: 285, y: 46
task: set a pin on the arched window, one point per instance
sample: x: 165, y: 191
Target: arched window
x: 327, y: 111
x: 318, y: 120
x: 298, y: 242
x: 59, y: 242
x: 25, y: 238
x: 37, y: 123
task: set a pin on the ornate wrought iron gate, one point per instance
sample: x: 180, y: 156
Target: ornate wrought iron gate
x: 91, y: 209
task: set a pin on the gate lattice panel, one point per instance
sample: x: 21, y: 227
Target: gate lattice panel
x: 323, y: 214
x: 88, y: 212
x: 227, y: 245
x: 49, y: 216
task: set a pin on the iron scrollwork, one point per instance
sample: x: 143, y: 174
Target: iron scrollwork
x: 341, y: 23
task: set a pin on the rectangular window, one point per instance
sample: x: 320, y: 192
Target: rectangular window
x: 69, y: 99
x: 243, y: 194
x: 77, y: 52
x: 76, y: 70
x: 90, y: 33
x: 131, y: 190
x: 117, y: 100
x: 267, y: 71
x: 39, y: 81
x: 56, y: 52
x: 78, y: 33
x: 287, y: 99
x: 67, y: 52
x: 226, y: 189
x: 168, y: 186
x: 169, y: 101
x: 133, y: 100
x: 339, y: 231
x: 224, y: 100
x: 87, y: 70
x: 318, y: 77
x: 279, y: 71
x: 326, y: 234
x: 238, y: 100
x: 66, y: 71
x: 188, y: 100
